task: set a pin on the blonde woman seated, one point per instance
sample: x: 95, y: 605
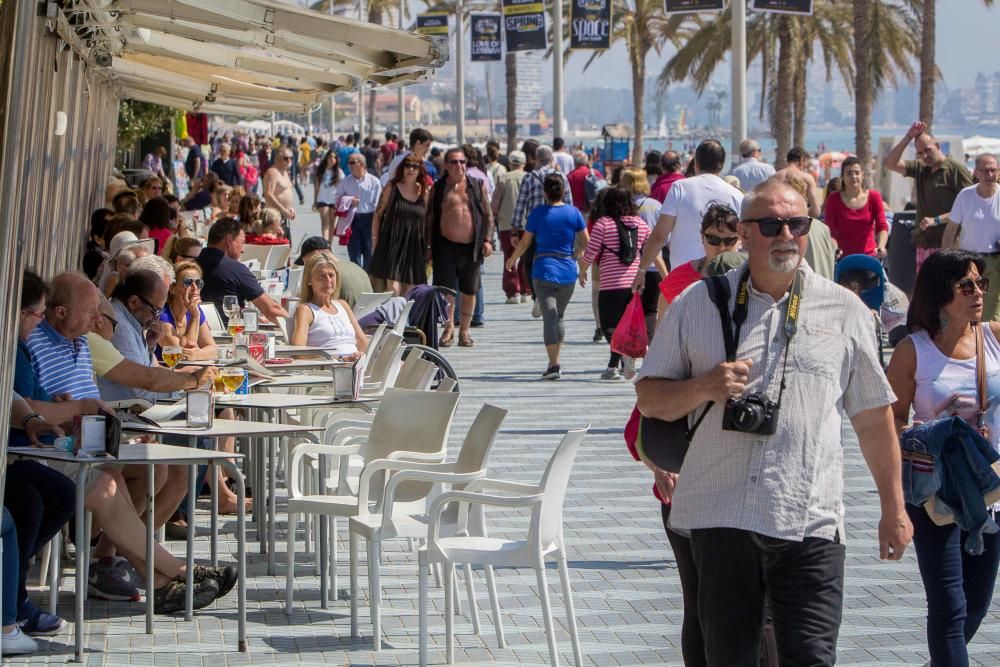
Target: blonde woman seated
x: 322, y: 319
x: 184, y: 322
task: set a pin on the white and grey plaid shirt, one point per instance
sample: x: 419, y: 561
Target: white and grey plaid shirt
x: 788, y: 485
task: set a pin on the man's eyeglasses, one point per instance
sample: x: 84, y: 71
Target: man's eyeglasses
x: 191, y: 257
x: 968, y: 286
x: 197, y: 282
x: 153, y: 309
x: 114, y: 322
x: 155, y: 188
x: 770, y: 227
x: 40, y: 316
x: 354, y: 162
x: 457, y: 161
x: 713, y: 240
x: 286, y: 158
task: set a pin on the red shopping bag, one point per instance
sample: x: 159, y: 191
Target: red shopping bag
x: 629, y: 338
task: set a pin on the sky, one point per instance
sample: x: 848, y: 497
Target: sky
x: 960, y: 23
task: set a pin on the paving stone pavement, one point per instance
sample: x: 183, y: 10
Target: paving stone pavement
x: 626, y: 591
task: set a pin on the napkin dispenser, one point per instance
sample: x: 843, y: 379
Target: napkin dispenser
x: 347, y: 380
x: 200, y: 408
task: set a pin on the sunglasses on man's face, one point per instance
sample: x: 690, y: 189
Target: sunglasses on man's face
x: 458, y: 162
x: 770, y: 227
x: 968, y: 286
x: 713, y: 240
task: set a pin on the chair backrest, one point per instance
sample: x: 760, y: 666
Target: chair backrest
x: 415, y: 421
x: 258, y: 252
x: 212, y: 317
x: 380, y: 366
x: 479, y: 440
x: 276, y: 258
x: 294, y: 280
x: 546, y: 520
x: 403, y: 319
x: 446, y: 384
x: 286, y: 325
x: 416, y: 373
x: 368, y: 300
x: 375, y: 341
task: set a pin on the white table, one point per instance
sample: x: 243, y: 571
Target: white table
x: 226, y: 428
x: 305, y: 364
x: 151, y: 455
x: 282, y: 350
x: 297, y: 380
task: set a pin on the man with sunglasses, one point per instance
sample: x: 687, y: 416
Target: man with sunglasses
x: 685, y: 206
x: 364, y: 189
x: 764, y: 506
x: 938, y: 179
x: 278, y: 187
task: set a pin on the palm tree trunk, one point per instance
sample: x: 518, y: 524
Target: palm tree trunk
x: 638, y: 58
x: 927, y: 67
x: 863, y: 86
x: 511, y: 83
x: 781, y: 116
x: 800, y: 97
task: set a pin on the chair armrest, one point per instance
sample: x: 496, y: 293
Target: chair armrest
x: 417, y: 457
x: 489, y: 484
x: 469, y: 498
x: 312, y: 449
x: 424, y: 475
x: 399, y: 468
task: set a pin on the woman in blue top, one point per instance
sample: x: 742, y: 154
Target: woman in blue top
x: 185, y: 323
x: 554, y: 227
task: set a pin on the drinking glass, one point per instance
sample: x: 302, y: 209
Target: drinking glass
x: 172, y: 355
x: 230, y: 305
x: 232, y: 378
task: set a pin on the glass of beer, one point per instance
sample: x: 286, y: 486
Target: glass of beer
x: 172, y: 355
x: 236, y: 325
x: 232, y: 378
x: 219, y: 385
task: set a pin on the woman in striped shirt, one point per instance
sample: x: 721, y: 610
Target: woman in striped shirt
x: 615, y: 244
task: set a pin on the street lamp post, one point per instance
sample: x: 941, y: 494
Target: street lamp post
x: 460, y: 72
x: 739, y: 103
x: 402, y: 94
x: 557, y: 70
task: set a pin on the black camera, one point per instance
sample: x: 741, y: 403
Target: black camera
x: 755, y: 414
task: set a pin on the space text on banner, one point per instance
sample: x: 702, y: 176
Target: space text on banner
x: 591, y: 22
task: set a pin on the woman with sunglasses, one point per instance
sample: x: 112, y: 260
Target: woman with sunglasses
x: 718, y: 235
x: 328, y: 175
x: 398, y: 255
x: 933, y: 372
x: 856, y: 214
x: 185, y: 323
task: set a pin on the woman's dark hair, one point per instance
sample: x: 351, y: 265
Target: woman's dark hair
x: 934, y: 288
x: 553, y: 187
x: 33, y: 290
x: 653, y: 163
x: 719, y: 215
x: 618, y: 203
x: 849, y: 162
x: 324, y: 165
x: 247, y: 204
x: 170, y: 198
x: 474, y: 156
x: 411, y: 158
x: 99, y: 220
x: 138, y: 283
x: 180, y: 247
x: 689, y: 169
x: 156, y: 214
x: 597, y: 207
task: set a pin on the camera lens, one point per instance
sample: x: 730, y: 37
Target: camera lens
x: 747, y: 417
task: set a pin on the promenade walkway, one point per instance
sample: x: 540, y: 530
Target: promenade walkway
x: 627, y: 593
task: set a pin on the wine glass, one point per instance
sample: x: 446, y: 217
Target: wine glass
x: 230, y: 305
x: 172, y: 355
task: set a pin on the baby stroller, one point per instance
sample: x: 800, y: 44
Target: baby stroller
x: 864, y: 275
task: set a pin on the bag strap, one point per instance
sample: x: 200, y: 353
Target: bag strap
x: 981, y: 373
x: 718, y: 292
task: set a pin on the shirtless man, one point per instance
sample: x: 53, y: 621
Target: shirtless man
x: 278, y: 186
x: 796, y: 159
x: 460, y: 229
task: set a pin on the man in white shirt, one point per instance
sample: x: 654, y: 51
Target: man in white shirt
x: 684, y: 208
x: 976, y: 212
x: 563, y: 160
x: 365, y: 189
x: 751, y: 172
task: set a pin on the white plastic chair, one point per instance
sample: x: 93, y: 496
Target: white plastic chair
x: 294, y: 280
x: 390, y: 523
x: 256, y: 252
x: 409, y: 425
x: 276, y: 257
x: 544, y: 539
x: 403, y: 320
x: 213, y: 318
x: 368, y: 300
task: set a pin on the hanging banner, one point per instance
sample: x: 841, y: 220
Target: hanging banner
x: 435, y: 23
x: 783, y: 6
x: 524, y: 25
x: 688, y: 6
x: 485, y: 37
x: 591, y: 22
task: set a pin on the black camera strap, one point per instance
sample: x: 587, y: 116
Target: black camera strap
x: 731, y: 325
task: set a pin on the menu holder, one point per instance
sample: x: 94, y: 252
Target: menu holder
x: 348, y: 380
x: 200, y: 408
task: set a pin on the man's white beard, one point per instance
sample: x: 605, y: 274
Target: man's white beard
x: 784, y: 264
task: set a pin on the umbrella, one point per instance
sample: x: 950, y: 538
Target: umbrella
x: 833, y: 158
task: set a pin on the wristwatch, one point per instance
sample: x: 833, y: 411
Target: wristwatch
x: 28, y: 418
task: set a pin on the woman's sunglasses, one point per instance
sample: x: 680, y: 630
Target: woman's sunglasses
x: 197, y: 282
x: 968, y: 286
x: 770, y: 227
x: 713, y: 240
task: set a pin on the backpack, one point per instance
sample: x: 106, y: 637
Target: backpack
x: 628, y: 242
x: 592, y: 184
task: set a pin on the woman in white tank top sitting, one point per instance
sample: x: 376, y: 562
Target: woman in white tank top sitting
x: 322, y: 319
x: 934, y: 371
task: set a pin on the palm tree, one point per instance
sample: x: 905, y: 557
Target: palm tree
x: 644, y: 27
x: 510, y: 80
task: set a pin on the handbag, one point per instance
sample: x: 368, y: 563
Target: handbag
x: 665, y: 443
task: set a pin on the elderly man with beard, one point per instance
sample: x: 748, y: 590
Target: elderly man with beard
x: 763, y: 499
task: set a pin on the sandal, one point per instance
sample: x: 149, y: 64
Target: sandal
x: 447, y: 339
x: 465, y: 340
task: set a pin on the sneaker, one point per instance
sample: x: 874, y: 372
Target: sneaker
x: 598, y: 335
x: 477, y: 323
x: 611, y: 374
x: 122, y: 566
x: 107, y: 584
x: 17, y: 642
x: 224, y: 577
x: 629, y: 371
x: 33, y: 621
x: 536, y: 310
x: 525, y: 297
x: 513, y: 299
x: 169, y: 598
x: 552, y: 373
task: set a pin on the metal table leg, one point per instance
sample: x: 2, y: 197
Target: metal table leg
x: 241, y: 586
x: 81, y: 546
x: 189, y: 581
x: 150, y: 541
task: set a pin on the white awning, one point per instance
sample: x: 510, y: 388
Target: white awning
x: 249, y: 56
